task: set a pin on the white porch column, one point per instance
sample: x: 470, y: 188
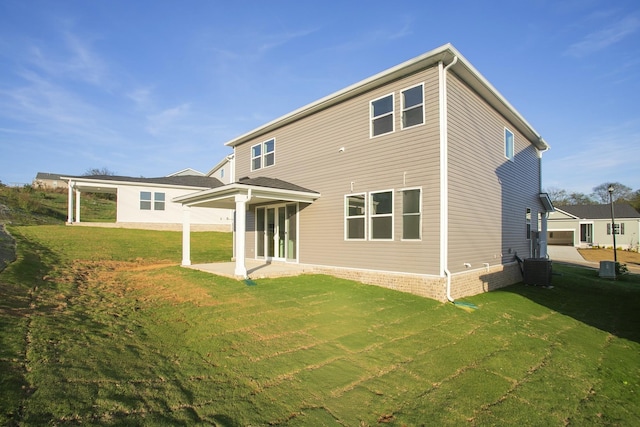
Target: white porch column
x: 77, y: 205
x: 70, y: 203
x: 186, y: 235
x: 543, y: 234
x: 240, y: 234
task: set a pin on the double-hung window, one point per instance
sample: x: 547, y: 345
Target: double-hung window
x: 381, y: 215
x: 263, y: 154
x: 411, y: 214
x: 355, y: 216
x: 158, y: 201
x: 508, y: 144
x: 145, y: 200
x: 413, y: 106
x: 382, y: 115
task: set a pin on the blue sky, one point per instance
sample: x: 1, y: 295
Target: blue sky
x: 147, y: 88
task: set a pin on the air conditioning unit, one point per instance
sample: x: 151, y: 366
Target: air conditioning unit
x: 537, y: 271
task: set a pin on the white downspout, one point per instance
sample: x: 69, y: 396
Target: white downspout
x: 444, y: 177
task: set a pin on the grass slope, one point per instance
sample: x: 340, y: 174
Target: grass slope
x: 94, y: 334
x: 30, y: 206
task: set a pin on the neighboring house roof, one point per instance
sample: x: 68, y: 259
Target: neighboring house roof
x: 45, y: 175
x: 446, y: 53
x: 182, y: 180
x: 621, y: 210
x: 187, y: 171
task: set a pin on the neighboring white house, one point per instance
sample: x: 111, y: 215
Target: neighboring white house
x: 147, y: 202
x: 49, y: 180
x: 223, y: 170
x: 590, y: 225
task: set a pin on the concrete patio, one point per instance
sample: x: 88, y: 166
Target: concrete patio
x: 256, y: 269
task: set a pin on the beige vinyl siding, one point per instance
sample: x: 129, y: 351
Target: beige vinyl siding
x: 488, y: 194
x: 307, y: 154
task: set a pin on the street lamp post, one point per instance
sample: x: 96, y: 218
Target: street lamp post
x: 613, y: 225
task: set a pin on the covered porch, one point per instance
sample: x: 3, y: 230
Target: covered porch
x: 79, y: 185
x: 239, y: 196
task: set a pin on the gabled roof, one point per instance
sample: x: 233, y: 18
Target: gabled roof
x: 187, y: 171
x: 278, y: 184
x: 257, y: 190
x: 446, y: 53
x: 176, y: 181
x: 621, y: 210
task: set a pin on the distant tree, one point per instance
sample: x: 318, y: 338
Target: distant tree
x: 621, y: 193
x: 635, y: 200
x: 98, y: 171
x: 557, y: 195
x: 579, y: 199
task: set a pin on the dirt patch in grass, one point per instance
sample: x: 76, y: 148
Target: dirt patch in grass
x: 144, y: 281
x: 597, y: 255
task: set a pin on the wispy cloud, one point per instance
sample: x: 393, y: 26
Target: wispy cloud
x: 601, y: 158
x: 76, y: 60
x: 605, y: 37
x: 159, y: 123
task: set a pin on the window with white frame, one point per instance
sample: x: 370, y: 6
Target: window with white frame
x: 617, y: 228
x: 412, y: 106
x: 528, y: 223
x: 381, y: 215
x: 263, y: 154
x: 508, y: 144
x: 382, y: 115
x: 158, y: 201
x: 411, y: 214
x: 355, y: 216
x: 145, y: 200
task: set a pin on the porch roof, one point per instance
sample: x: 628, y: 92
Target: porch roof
x: 258, y: 190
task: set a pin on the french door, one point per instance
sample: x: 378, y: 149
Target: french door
x: 277, y: 232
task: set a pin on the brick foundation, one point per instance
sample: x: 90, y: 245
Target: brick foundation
x: 462, y: 284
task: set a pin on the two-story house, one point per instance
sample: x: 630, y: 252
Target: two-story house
x: 422, y: 178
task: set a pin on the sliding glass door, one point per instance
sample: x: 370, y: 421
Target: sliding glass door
x: 277, y: 232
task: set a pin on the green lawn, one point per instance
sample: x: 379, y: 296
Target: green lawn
x: 95, y: 329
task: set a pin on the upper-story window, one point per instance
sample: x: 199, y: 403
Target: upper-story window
x: 508, y: 144
x: 382, y: 115
x: 413, y: 106
x: 263, y: 154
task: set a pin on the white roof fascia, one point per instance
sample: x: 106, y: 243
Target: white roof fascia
x: 115, y: 183
x: 567, y: 213
x: 198, y: 173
